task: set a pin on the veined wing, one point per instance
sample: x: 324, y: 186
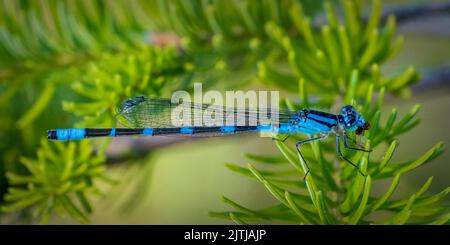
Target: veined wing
x: 158, y: 113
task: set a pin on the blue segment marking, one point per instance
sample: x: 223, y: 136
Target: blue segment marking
x: 113, y: 132
x: 284, y: 128
x: 186, y: 131
x: 264, y: 128
x: 227, y: 129
x: 71, y: 134
x: 147, y: 131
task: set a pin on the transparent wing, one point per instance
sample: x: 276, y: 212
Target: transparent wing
x: 163, y: 113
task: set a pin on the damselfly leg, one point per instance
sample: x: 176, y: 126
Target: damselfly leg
x: 361, y: 148
x: 281, y: 139
x: 338, y: 148
x: 297, y: 146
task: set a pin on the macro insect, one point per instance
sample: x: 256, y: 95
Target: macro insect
x: 151, y: 116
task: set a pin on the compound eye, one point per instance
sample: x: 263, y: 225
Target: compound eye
x: 348, y: 109
x: 350, y: 112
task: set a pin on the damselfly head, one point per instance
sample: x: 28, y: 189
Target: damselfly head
x: 353, y: 121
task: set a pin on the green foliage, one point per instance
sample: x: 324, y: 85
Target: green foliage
x: 114, y: 78
x: 74, y: 61
x: 55, y: 30
x: 60, y: 179
x: 325, y: 57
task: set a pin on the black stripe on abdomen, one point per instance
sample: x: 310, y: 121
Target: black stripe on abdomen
x: 164, y: 131
x: 203, y: 130
x: 112, y: 132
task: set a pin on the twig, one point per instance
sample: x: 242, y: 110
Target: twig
x: 405, y: 13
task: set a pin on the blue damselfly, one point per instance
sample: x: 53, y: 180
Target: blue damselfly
x: 153, y: 117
